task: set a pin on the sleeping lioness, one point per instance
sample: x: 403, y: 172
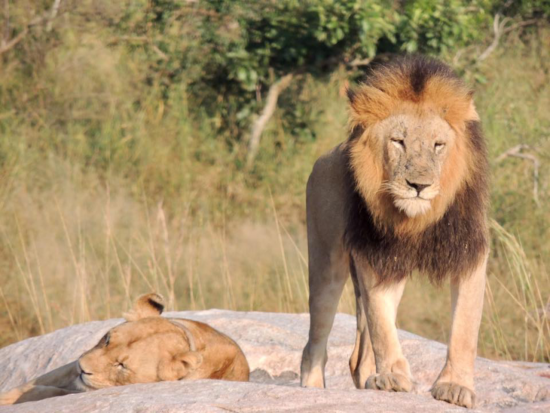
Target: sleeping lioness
x: 147, y: 348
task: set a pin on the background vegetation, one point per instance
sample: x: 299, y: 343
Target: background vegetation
x: 124, y: 138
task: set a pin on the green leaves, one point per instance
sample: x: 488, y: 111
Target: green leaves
x: 227, y: 53
x: 435, y: 26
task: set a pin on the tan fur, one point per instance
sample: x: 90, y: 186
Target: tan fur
x: 147, y: 349
x: 395, y: 125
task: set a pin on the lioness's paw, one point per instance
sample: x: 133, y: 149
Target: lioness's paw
x: 389, y: 382
x: 9, y: 397
x: 455, y: 394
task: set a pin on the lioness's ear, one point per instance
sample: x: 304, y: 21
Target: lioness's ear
x: 147, y: 305
x: 180, y: 366
x: 190, y: 361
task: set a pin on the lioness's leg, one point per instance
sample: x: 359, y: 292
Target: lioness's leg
x: 455, y: 383
x: 63, y: 376
x: 57, y: 382
x: 327, y: 276
x: 361, y: 363
x: 381, y: 302
x: 37, y: 393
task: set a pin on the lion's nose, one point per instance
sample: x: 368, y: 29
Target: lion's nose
x: 418, y: 187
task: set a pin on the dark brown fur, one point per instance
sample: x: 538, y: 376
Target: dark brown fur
x: 450, y: 247
x: 156, y: 305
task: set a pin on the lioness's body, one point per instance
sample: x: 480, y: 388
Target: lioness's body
x: 148, y: 348
x: 406, y: 191
x: 222, y: 358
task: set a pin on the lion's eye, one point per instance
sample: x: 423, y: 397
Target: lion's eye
x: 439, y: 146
x: 400, y: 143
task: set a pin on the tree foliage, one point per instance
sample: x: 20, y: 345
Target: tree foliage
x: 227, y: 53
x: 435, y: 27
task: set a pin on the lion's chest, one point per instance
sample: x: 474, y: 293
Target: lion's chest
x: 450, y: 247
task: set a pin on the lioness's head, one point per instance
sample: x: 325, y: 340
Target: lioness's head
x: 409, y: 146
x: 148, y: 348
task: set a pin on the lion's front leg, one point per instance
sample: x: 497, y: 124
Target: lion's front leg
x: 455, y: 383
x: 381, y: 302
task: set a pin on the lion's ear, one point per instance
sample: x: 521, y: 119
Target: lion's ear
x: 472, y: 112
x: 349, y: 93
x: 369, y: 105
x: 147, y: 305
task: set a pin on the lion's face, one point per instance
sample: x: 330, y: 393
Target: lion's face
x: 147, y: 350
x: 409, y: 149
x: 414, y: 152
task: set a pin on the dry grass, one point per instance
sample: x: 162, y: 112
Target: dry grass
x: 86, y: 253
x: 79, y: 253
x: 514, y: 324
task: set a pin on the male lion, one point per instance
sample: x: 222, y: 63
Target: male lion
x: 406, y: 191
x: 147, y: 348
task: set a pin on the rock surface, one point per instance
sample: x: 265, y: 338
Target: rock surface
x: 273, y: 344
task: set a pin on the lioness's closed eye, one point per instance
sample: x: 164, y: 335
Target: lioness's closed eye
x: 147, y: 348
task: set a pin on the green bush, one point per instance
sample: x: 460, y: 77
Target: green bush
x: 526, y: 9
x: 227, y: 53
x: 435, y: 26
x: 232, y: 51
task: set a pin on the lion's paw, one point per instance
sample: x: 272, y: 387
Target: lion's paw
x: 454, y: 394
x: 389, y: 382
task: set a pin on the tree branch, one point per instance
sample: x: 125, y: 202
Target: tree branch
x: 516, y: 152
x: 360, y: 62
x: 6, y: 34
x: 511, y: 152
x: 53, y: 14
x: 498, y: 27
x: 47, y: 17
x: 520, y: 24
x: 260, y: 123
x: 7, y: 45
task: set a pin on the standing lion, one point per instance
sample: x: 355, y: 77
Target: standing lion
x: 407, y: 191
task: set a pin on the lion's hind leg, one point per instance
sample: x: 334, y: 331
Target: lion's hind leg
x: 328, y: 276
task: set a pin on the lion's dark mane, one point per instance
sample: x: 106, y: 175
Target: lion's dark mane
x: 450, y: 247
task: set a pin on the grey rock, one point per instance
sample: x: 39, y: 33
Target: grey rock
x: 273, y: 343
x: 216, y: 396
